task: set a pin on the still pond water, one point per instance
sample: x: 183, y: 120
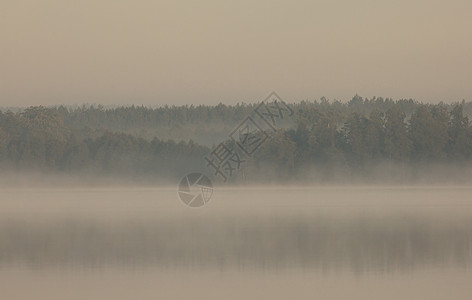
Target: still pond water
x: 246, y: 243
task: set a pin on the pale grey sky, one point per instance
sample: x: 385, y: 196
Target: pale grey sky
x: 158, y: 52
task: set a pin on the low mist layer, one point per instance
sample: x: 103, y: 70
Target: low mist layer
x: 359, y: 229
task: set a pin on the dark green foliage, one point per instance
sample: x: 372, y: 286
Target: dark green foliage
x: 324, y: 135
x: 459, y: 143
x: 397, y: 142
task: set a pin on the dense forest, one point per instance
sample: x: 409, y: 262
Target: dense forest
x: 325, y: 141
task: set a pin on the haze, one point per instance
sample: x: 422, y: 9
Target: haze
x: 183, y: 52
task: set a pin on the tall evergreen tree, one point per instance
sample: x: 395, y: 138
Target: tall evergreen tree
x: 397, y: 142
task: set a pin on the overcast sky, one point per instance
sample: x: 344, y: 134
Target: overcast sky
x: 183, y: 52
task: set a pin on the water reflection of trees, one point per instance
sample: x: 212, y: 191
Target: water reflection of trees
x: 358, y: 244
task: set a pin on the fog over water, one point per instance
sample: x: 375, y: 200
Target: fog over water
x: 360, y: 238
x: 337, y: 137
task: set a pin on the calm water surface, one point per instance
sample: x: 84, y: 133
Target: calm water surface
x: 329, y: 243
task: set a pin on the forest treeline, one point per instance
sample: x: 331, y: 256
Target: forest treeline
x: 208, y: 124
x: 166, y: 142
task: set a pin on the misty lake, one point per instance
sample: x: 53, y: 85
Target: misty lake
x: 246, y: 243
